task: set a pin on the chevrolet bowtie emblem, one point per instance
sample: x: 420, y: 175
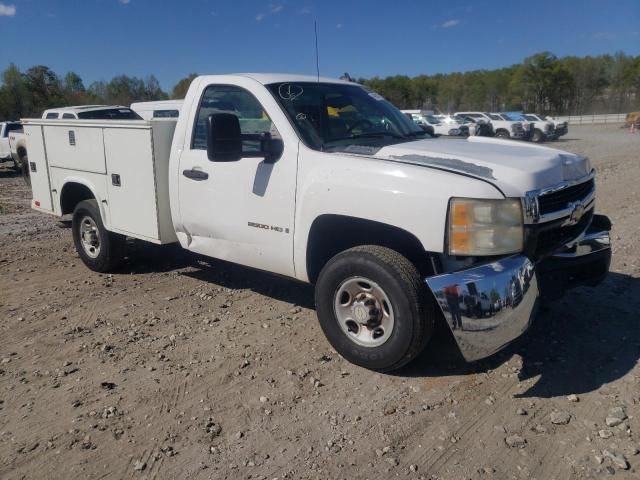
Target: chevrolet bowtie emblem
x: 577, y: 211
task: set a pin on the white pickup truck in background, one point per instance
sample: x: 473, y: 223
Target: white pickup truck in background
x: 501, y: 127
x: 158, y: 109
x: 439, y: 127
x: 6, y: 128
x: 326, y: 182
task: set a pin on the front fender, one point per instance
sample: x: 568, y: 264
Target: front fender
x: 410, y: 197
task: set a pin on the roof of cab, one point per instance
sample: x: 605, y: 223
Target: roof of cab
x: 267, y: 78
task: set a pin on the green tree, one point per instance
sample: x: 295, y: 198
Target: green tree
x: 180, y: 89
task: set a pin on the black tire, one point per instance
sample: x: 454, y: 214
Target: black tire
x: 413, y: 308
x: 537, y: 136
x: 23, y: 167
x: 110, y: 254
x: 502, y: 134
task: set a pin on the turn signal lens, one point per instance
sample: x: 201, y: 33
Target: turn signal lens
x: 485, y: 227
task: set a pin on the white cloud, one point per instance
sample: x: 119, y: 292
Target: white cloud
x: 338, y: 26
x: 259, y: 17
x: 7, y: 10
x: 450, y: 23
x: 276, y: 7
x: 305, y: 10
x: 124, y: 2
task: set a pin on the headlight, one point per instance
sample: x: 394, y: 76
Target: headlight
x: 484, y: 227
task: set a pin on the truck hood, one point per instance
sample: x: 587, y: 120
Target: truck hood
x: 514, y: 167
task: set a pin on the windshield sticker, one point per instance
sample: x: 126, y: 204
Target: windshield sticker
x: 376, y: 96
x: 288, y: 91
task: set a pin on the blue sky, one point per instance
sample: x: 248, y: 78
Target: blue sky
x: 102, y: 38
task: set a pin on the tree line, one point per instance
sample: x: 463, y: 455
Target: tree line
x: 542, y: 83
x: 29, y: 93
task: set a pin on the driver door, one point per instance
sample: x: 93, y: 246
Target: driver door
x: 241, y: 211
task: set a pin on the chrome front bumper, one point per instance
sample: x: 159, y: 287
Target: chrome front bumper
x: 489, y: 306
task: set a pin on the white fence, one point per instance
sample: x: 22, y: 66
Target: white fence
x: 594, y: 119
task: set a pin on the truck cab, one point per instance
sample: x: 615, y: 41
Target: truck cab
x: 326, y: 182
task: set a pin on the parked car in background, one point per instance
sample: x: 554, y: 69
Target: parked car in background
x: 561, y: 127
x: 5, y: 149
x: 458, y: 122
x: 91, y: 112
x: 427, y: 119
x: 423, y: 125
x: 158, y: 109
x: 482, y: 126
x: 526, y: 125
x: 541, y: 130
x: 501, y: 128
x: 18, y: 146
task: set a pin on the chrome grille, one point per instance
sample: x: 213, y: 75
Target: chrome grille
x: 560, y: 199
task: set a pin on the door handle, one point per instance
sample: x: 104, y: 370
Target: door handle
x: 193, y: 174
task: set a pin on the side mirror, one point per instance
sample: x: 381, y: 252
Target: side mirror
x: 272, y: 148
x: 224, y: 139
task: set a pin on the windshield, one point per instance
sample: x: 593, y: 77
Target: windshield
x: 432, y: 120
x: 531, y: 118
x: 111, y: 114
x: 331, y: 116
x: 494, y: 117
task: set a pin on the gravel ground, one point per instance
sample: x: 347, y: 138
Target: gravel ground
x: 183, y: 367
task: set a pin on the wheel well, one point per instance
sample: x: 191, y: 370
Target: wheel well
x: 72, y: 194
x: 22, y: 152
x: 332, y: 234
x: 502, y: 130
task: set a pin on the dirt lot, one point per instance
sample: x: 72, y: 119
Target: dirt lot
x: 181, y: 367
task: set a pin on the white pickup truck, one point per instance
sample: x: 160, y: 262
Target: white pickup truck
x: 501, y: 127
x: 326, y: 182
x: 5, y: 147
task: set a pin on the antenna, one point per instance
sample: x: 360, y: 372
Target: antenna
x: 315, y: 28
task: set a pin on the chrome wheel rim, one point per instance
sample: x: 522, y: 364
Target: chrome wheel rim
x: 90, y: 237
x: 364, y: 312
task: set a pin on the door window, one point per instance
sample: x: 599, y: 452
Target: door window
x: 230, y: 99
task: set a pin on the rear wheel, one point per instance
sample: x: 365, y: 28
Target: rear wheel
x: 99, y: 249
x: 373, y: 307
x: 502, y: 134
x: 23, y: 168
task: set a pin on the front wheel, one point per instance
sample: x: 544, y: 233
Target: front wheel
x: 100, y: 250
x: 502, y: 134
x: 373, y: 307
x: 537, y: 136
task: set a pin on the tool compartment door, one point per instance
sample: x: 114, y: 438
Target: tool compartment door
x: 131, y: 182
x: 38, y: 168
